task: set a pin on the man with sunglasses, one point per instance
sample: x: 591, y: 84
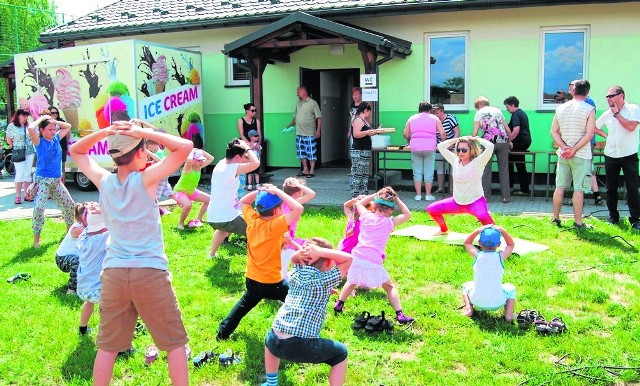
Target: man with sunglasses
x: 621, y: 153
x: 572, y: 128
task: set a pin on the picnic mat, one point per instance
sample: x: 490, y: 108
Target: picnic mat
x: 427, y: 233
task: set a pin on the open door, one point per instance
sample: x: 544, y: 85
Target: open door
x: 311, y: 80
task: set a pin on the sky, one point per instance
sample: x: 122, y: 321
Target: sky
x: 78, y: 8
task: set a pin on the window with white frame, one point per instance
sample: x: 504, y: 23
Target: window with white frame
x: 563, y: 59
x: 237, y: 73
x: 447, y: 61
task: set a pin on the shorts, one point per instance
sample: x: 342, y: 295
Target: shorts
x: 574, y: 170
x: 237, y: 226
x: 306, y: 147
x: 306, y: 350
x: 192, y: 197
x: 164, y: 188
x: 91, y: 296
x: 129, y: 292
x: 508, y: 289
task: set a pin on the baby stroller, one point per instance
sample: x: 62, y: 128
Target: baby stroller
x: 5, y: 162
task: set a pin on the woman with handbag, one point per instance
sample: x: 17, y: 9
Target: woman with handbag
x: 49, y: 171
x: 22, y: 154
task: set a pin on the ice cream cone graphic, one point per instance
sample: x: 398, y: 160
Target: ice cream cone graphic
x: 71, y: 115
x: 84, y: 128
x: 68, y: 90
x: 159, y: 70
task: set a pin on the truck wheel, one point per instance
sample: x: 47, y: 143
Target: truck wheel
x: 84, y: 183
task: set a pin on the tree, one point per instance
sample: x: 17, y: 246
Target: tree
x: 455, y: 83
x: 21, y: 22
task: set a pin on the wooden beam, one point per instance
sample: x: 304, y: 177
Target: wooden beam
x: 304, y: 43
x: 369, y: 58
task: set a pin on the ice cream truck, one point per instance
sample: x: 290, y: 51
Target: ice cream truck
x: 156, y: 83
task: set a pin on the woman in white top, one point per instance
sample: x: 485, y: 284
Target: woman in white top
x: 467, y: 164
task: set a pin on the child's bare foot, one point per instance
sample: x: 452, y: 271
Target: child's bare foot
x: 441, y: 233
x: 180, y: 227
x: 467, y: 312
x: 510, y: 318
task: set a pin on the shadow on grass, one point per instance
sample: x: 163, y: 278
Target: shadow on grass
x: 603, y: 239
x: 494, y: 322
x: 79, y: 363
x: 28, y: 253
x: 221, y: 276
x: 67, y: 300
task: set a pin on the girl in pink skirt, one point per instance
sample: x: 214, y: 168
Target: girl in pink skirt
x: 368, y: 255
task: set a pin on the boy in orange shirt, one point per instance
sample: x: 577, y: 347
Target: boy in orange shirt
x: 266, y: 226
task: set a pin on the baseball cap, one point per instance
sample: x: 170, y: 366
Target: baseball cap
x: 198, y: 156
x: 95, y: 222
x: 265, y: 201
x: 120, y: 145
x: 252, y: 133
x: 490, y: 237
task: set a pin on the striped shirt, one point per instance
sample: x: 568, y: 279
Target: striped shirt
x: 572, y: 119
x: 448, y: 124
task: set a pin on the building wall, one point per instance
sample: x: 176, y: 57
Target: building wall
x: 504, y: 59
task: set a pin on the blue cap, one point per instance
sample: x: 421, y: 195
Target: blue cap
x: 265, y: 201
x: 490, y: 238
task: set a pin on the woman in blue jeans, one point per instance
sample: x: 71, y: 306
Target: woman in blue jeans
x: 420, y: 131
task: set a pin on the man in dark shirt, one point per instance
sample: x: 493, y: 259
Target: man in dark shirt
x: 521, y: 139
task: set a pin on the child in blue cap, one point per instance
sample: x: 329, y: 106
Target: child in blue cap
x: 487, y: 292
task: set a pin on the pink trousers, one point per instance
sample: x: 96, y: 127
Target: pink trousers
x: 478, y: 209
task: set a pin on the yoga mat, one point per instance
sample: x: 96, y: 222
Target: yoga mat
x: 427, y: 233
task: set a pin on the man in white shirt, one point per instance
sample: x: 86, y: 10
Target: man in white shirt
x: 621, y: 153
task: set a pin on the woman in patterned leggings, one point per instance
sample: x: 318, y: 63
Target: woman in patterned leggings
x: 361, y: 133
x: 48, y: 171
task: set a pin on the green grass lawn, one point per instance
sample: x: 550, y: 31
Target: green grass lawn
x: 591, y: 279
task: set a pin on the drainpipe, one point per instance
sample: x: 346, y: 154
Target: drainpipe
x: 376, y: 115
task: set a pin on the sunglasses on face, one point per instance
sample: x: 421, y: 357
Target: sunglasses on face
x: 54, y: 113
x: 253, y: 111
x: 462, y: 150
x: 612, y: 95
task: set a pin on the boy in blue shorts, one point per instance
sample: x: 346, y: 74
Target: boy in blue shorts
x: 295, y: 333
x: 486, y: 292
x: 135, y: 279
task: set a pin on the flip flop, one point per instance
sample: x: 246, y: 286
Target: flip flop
x: 301, y: 174
x: 203, y: 357
x: 310, y: 175
x: 229, y: 358
x: 17, y: 201
x: 18, y: 277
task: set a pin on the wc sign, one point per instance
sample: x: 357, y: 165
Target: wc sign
x: 368, y: 80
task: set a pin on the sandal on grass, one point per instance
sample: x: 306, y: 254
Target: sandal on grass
x: 229, y: 358
x: 526, y: 318
x: 150, y: 354
x: 18, y: 277
x: 540, y: 323
x: 556, y: 326
x: 361, y: 321
x: 203, y: 357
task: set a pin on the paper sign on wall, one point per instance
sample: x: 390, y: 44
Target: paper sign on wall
x: 370, y: 94
x: 368, y: 80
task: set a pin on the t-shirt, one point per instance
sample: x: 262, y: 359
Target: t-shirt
x: 448, y: 124
x: 21, y: 140
x: 92, y: 250
x: 68, y: 246
x: 519, y: 118
x: 264, y: 242
x: 49, y: 154
x: 224, y: 205
x: 491, y: 119
x: 572, y: 119
x: 374, y: 233
x: 423, y: 129
x: 307, y: 111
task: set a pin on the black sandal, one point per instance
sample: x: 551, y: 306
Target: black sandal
x: 361, y: 321
x: 301, y: 174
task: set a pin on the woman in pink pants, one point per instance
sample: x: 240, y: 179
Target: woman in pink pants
x: 467, y: 162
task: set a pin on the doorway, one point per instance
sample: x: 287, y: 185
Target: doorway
x: 332, y: 90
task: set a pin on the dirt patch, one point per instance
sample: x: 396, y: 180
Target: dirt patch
x: 432, y: 288
x: 403, y: 356
x: 459, y: 368
x: 553, y: 291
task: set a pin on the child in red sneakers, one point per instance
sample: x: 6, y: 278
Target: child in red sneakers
x: 368, y: 255
x: 486, y: 291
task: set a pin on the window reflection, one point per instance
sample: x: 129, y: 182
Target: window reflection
x: 564, y: 60
x: 448, y: 62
